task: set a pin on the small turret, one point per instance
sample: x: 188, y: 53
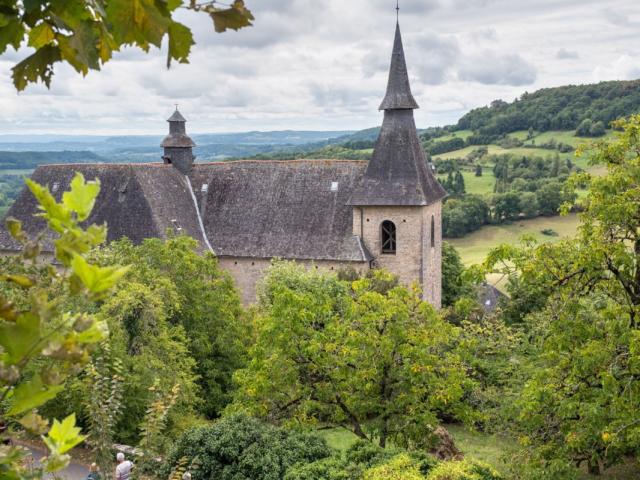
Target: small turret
x: 178, y: 146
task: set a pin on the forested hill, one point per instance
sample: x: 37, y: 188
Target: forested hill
x: 561, y: 108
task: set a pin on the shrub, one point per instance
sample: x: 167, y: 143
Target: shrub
x: 333, y: 468
x: 549, y: 232
x: 463, y: 470
x: 401, y: 467
x: 239, y: 447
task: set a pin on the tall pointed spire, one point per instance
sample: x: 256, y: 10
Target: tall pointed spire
x: 398, y: 173
x: 399, y: 96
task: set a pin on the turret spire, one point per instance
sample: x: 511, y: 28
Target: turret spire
x: 178, y: 146
x: 399, y: 96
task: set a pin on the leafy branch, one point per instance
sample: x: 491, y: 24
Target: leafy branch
x: 86, y: 33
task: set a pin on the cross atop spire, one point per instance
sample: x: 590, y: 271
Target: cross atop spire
x: 398, y: 10
x: 399, y: 96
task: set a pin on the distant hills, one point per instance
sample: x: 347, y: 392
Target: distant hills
x: 559, y: 109
x: 38, y: 149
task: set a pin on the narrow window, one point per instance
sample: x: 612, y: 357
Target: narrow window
x: 433, y: 231
x: 388, y: 237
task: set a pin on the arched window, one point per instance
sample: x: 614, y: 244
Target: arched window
x: 388, y: 237
x: 433, y: 231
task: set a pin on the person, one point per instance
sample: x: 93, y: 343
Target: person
x: 124, y: 467
x: 93, y: 472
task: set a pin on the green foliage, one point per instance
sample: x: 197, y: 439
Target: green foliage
x: 401, y: 467
x: 561, y: 108
x: 42, y: 343
x: 238, y: 447
x: 463, y: 470
x: 154, y: 354
x: 86, y: 33
x: 152, y: 441
x: 368, y: 355
x: 582, y: 297
x: 492, y: 351
x: 454, y: 284
x: 463, y: 215
x: 10, y: 188
x: 103, y: 403
x: 192, y: 292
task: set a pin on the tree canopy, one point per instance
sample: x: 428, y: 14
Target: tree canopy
x: 369, y: 356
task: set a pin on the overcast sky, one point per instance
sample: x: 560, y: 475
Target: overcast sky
x: 322, y: 65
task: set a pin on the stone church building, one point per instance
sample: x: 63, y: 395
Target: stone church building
x: 327, y: 213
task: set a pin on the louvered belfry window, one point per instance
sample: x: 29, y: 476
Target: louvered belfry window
x: 388, y: 237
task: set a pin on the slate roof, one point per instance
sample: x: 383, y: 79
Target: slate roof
x: 399, y: 94
x: 259, y: 209
x: 280, y: 208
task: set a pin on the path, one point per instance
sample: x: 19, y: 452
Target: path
x: 74, y: 471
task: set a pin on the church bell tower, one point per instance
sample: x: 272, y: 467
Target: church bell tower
x: 397, y: 206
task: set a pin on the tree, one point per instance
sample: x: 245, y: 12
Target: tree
x: 43, y: 343
x: 549, y: 198
x: 86, y: 33
x: 506, y: 206
x: 597, y: 129
x: 458, y: 183
x: 240, y: 447
x: 529, y: 204
x: 454, y: 285
x: 193, y: 292
x: 581, y: 400
x: 478, y: 171
x: 368, y: 355
x: 584, y: 129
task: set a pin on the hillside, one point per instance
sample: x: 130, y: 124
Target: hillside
x: 561, y: 108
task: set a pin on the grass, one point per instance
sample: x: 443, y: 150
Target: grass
x: 497, y: 150
x: 473, y: 248
x: 463, y: 134
x: 492, y: 449
x: 338, y: 438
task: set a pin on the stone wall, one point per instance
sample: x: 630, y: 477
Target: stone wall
x: 415, y: 259
x: 247, y: 272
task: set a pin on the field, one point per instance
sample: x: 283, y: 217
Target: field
x: 492, y: 449
x: 22, y: 172
x: 497, y: 150
x: 473, y: 248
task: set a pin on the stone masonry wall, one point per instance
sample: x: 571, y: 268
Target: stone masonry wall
x: 415, y: 260
x: 247, y: 272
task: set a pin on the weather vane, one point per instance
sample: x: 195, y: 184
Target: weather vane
x: 176, y: 106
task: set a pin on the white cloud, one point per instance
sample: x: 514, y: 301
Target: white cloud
x: 624, y: 67
x: 564, y: 54
x: 323, y: 65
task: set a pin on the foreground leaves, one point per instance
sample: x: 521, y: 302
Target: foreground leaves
x: 86, y: 33
x: 42, y: 344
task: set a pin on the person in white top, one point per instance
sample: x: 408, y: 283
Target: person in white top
x: 124, y: 467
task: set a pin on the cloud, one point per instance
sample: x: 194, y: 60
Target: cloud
x: 484, y: 34
x: 490, y: 68
x: 323, y: 65
x: 624, y: 67
x: 435, y: 57
x: 616, y: 18
x: 564, y: 54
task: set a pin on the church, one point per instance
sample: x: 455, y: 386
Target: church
x: 327, y: 214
